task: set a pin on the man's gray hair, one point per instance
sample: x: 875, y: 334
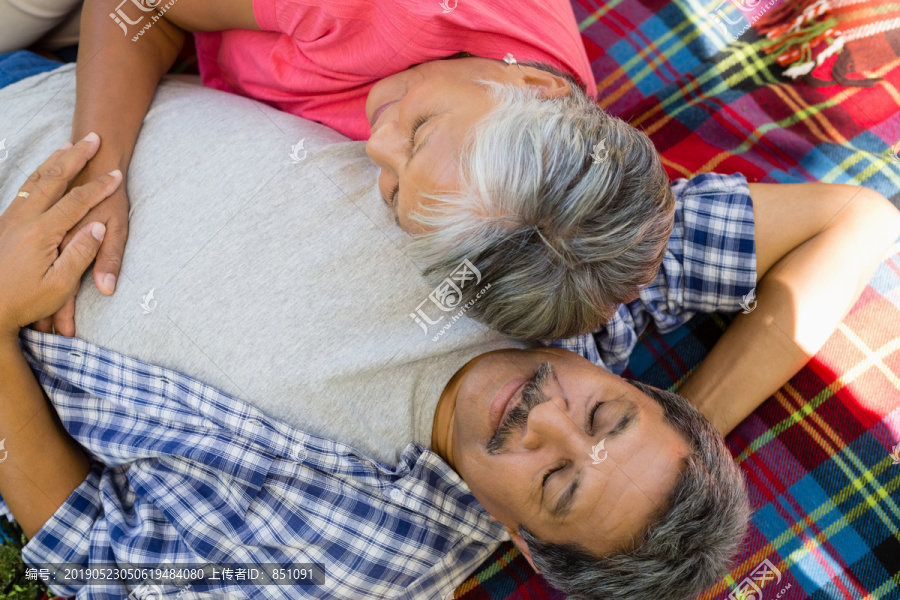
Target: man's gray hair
x: 565, y: 211
x: 680, y: 553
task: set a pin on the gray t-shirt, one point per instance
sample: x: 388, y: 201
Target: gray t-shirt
x: 278, y: 274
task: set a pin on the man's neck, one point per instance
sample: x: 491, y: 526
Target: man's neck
x: 442, y: 427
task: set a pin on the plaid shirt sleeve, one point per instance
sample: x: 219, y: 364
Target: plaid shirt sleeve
x: 158, y: 452
x: 709, y: 266
x: 185, y: 475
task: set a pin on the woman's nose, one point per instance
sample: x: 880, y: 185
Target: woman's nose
x: 550, y: 422
x: 385, y: 146
x: 385, y: 153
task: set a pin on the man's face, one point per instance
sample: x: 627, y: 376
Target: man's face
x: 525, y: 437
x: 420, y: 118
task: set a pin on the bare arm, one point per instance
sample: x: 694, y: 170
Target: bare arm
x: 40, y: 464
x: 116, y: 81
x: 43, y: 464
x: 117, y: 77
x: 817, y: 247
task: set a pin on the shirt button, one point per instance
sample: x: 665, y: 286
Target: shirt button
x: 300, y: 452
x: 396, y: 495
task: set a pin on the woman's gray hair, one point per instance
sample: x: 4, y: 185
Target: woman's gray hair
x: 680, y: 553
x: 565, y: 211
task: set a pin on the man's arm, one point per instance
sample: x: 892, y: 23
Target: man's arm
x: 40, y: 464
x: 43, y: 464
x: 817, y: 247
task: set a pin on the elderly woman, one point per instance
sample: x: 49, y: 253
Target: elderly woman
x: 479, y: 115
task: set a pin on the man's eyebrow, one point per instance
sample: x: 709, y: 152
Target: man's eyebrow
x: 566, y: 500
x: 624, y: 421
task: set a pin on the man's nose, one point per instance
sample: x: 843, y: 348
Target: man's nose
x: 550, y: 423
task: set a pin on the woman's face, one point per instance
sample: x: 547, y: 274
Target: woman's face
x: 419, y: 120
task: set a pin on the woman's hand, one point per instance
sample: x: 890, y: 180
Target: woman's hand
x: 112, y: 212
x: 38, y: 278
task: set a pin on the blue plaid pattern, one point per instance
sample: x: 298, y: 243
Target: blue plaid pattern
x: 186, y: 474
x: 709, y: 266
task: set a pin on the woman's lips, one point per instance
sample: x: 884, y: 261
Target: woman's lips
x: 502, y: 402
x: 378, y: 112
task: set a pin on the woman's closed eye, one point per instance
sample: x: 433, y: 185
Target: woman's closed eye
x: 412, y: 142
x: 392, y: 199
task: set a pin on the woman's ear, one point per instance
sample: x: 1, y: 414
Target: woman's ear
x: 552, y: 86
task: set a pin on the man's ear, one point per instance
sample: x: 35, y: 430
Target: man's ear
x: 552, y: 86
x: 521, y: 546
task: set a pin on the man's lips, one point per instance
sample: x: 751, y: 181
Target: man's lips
x: 502, y: 402
x: 378, y: 112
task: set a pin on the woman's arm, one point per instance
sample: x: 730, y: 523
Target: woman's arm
x: 40, y: 464
x: 115, y: 84
x: 817, y: 247
x: 117, y: 77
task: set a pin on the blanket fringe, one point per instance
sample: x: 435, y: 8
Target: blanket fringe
x: 803, y: 35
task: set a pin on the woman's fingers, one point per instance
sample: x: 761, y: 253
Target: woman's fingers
x: 52, y: 178
x: 29, y: 187
x: 64, y: 319
x: 66, y: 213
x: 65, y: 273
x: 44, y: 325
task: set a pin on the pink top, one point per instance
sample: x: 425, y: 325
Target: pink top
x: 318, y: 60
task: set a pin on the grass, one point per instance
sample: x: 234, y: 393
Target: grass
x: 13, y: 584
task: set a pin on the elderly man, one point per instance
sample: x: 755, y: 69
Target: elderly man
x: 269, y: 269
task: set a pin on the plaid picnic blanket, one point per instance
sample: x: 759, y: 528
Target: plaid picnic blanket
x: 717, y: 96
x: 816, y: 455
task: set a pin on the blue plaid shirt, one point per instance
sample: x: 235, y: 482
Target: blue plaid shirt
x: 709, y: 266
x: 186, y: 474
